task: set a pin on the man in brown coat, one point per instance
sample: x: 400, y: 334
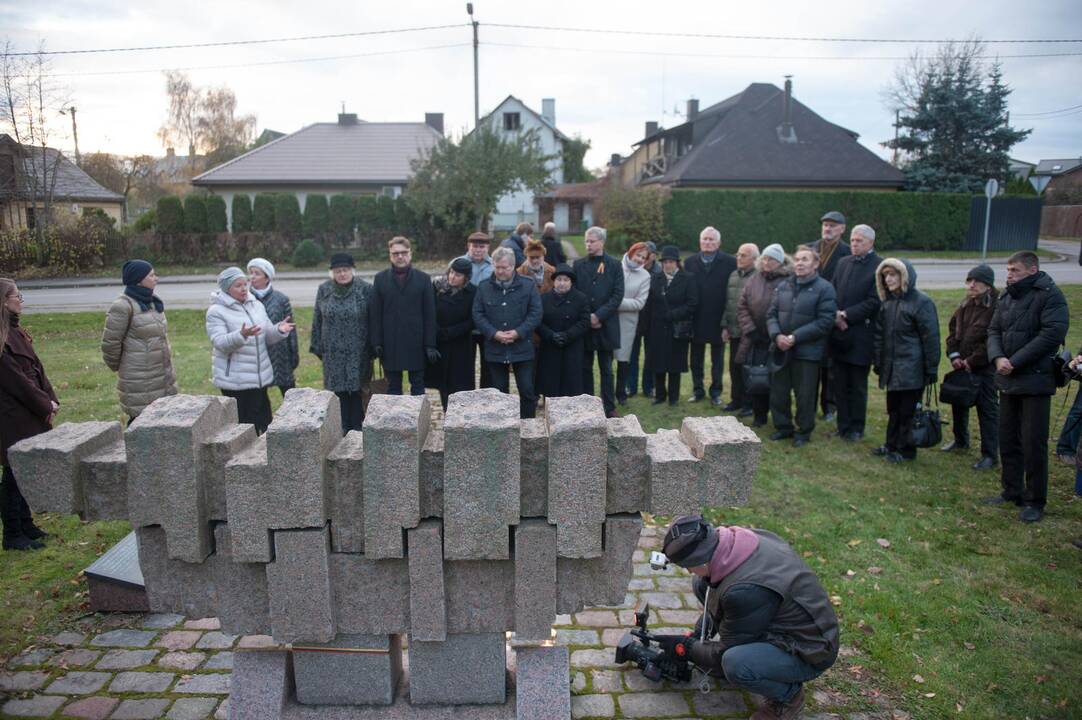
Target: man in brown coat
x: 967, y: 350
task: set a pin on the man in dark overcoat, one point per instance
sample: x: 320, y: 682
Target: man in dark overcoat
x: 831, y: 248
x: 711, y: 268
x: 601, y: 278
x: 402, y: 320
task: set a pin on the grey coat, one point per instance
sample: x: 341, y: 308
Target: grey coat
x: 340, y: 335
x: 284, y: 356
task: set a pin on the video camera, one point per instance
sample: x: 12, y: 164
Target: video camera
x: 670, y: 658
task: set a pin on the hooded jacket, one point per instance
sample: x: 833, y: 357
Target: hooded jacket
x: 1029, y: 324
x: 238, y: 362
x: 907, y: 336
x: 754, y: 303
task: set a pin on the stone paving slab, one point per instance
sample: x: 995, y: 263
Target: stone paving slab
x: 204, y: 684
x: 141, y: 682
x: 92, y: 708
x: 125, y: 659
x: 23, y: 680
x: 36, y: 706
x: 181, y: 660
x: 148, y: 709
x: 195, y: 708
x: 79, y: 683
x: 123, y: 638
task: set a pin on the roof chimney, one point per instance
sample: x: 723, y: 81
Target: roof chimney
x: 170, y: 153
x: 616, y: 159
x: 693, y: 109
x: 435, y: 121
x: 347, y: 118
x: 548, y: 110
x: 651, y: 128
x: 786, y: 133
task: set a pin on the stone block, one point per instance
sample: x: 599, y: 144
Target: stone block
x: 535, y: 580
x: 395, y: 429
x: 165, y: 471
x: 481, y: 474
x: 542, y: 683
x: 240, y: 589
x: 428, y: 613
x: 337, y: 677
x: 306, y: 428
x: 47, y: 465
x: 534, y: 468
x: 728, y: 452
x: 628, y: 474
x: 432, y: 475
x: 105, y: 483
x: 603, y: 580
x: 246, y: 503
x: 461, y: 670
x: 371, y: 597
x: 174, y: 585
x: 262, y: 684
x: 480, y: 596
x: 217, y: 451
x: 578, y: 459
x: 299, y: 587
x: 674, y: 475
x: 345, y: 486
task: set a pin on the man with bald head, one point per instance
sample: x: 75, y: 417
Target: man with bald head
x: 746, y: 255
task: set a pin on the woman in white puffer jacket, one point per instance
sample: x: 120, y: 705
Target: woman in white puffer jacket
x: 240, y: 332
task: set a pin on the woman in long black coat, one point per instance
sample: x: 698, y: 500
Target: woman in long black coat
x: 565, y: 319
x: 674, y: 297
x: 454, y: 371
x: 27, y: 407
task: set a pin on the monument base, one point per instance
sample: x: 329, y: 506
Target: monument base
x: 115, y: 580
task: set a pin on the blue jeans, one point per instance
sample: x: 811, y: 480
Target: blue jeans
x: 1072, y: 428
x: 767, y: 670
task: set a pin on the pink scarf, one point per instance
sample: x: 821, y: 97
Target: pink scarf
x: 735, y: 545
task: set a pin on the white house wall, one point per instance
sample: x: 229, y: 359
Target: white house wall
x: 517, y: 207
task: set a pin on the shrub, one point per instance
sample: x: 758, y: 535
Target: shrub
x: 143, y: 252
x: 146, y: 221
x: 242, y: 213
x: 316, y: 216
x: 307, y: 254
x: 170, y: 214
x: 287, y: 215
x: 341, y: 218
x: 635, y: 215
x: 263, y: 213
x: 216, y: 220
x: 195, y: 214
x: 71, y: 247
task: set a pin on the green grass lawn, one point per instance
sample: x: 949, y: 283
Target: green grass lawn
x: 949, y: 608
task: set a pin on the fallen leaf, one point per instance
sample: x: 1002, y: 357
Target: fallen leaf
x: 807, y: 553
x: 1041, y: 679
x: 969, y: 645
x: 883, y: 542
x: 937, y: 581
x: 849, y: 573
x: 929, y: 695
x: 957, y: 707
x: 835, y: 600
x: 875, y: 570
x: 918, y: 679
x: 854, y: 542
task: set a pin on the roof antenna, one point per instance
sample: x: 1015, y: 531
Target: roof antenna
x: 343, y: 107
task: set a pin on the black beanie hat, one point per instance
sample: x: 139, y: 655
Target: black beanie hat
x: 984, y: 273
x: 134, y: 271
x: 462, y: 266
x: 341, y: 260
x: 690, y: 541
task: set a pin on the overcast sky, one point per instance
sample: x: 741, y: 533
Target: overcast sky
x: 606, y: 85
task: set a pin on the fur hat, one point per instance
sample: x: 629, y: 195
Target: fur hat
x: 535, y: 247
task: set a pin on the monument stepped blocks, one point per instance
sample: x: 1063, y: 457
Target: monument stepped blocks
x: 299, y: 587
x: 603, y: 580
x: 432, y: 475
x: 353, y: 670
x: 371, y: 597
x: 542, y: 683
x: 674, y: 475
x: 217, y: 451
x: 461, y: 670
x: 535, y: 581
x: 481, y: 491
x: 578, y: 458
x: 48, y: 465
x: 105, y: 483
x: 240, y: 588
x: 345, y: 493
x: 428, y: 604
x: 395, y: 429
x: 246, y: 503
x: 534, y: 468
x: 480, y: 596
x: 729, y: 451
x: 261, y: 685
x: 628, y: 473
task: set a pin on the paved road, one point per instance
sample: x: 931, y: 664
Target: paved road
x: 194, y: 292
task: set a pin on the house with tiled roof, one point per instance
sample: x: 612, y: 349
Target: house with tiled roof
x: 763, y: 138
x: 29, y: 175
x: 350, y: 156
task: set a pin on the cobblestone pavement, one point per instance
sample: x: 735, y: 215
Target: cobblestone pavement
x: 166, y: 666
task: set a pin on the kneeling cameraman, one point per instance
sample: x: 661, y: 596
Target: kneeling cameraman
x: 774, y: 624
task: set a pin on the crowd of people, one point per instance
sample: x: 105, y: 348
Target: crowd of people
x: 801, y: 330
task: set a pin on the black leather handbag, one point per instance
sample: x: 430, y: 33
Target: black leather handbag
x: 927, y: 429
x: 683, y: 330
x: 960, y: 388
x: 757, y: 379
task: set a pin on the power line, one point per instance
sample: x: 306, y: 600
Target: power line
x: 1053, y: 117
x: 240, y: 42
x: 788, y: 38
x: 1048, y: 112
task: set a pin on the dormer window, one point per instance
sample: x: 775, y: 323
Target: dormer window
x: 511, y: 121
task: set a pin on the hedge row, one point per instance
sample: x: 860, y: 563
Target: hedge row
x: 910, y: 221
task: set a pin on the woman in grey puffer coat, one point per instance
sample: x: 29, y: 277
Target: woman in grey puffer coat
x: 906, y: 352
x: 284, y: 356
x: 340, y: 338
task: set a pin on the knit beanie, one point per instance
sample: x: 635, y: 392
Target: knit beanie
x: 134, y: 271
x: 227, y: 277
x: 264, y: 265
x: 462, y: 266
x: 775, y: 252
x: 983, y: 273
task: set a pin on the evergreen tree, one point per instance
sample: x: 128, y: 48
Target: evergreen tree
x: 242, y: 213
x: 316, y: 216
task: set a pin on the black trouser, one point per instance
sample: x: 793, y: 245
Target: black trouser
x: 352, y: 410
x: 736, y: 377
x: 479, y: 347
x: 1023, y: 447
x: 501, y: 380
x: 760, y: 405
x: 673, y: 391
x: 850, y: 386
x: 604, y: 363
x: 987, y: 417
x: 798, y: 377
x: 901, y: 407
x: 698, y: 355
x: 394, y: 381
x: 623, y: 370
x: 253, y: 406
x: 826, y: 394
x: 285, y: 388
x: 633, y: 374
x: 13, y: 508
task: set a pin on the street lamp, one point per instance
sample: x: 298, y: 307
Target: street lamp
x: 74, y: 132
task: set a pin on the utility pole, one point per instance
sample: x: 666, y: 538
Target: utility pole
x: 476, y: 85
x: 74, y: 132
x: 897, y: 124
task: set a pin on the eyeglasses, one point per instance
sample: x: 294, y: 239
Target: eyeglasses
x: 18, y: 296
x: 400, y: 252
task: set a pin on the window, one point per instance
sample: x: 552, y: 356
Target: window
x: 391, y: 191
x: 31, y: 218
x: 511, y: 121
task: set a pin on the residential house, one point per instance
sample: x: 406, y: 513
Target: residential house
x: 510, y: 119
x: 174, y: 173
x: 760, y: 138
x: 572, y: 206
x: 350, y: 156
x: 1020, y: 169
x: 29, y: 175
x: 1063, y: 175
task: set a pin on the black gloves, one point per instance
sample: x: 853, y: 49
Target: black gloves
x: 930, y: 379
x: 433, y: 355
x: 559, y: 339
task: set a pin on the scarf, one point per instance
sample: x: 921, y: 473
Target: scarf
x: 341, y: 290
x: 444, y: 288
x: 145, y: 297
x: 1020, y: 288
x: 260, y: 294
x: 538, y: 275
x: 668, y: 277
x: 631, y: 264
x: 826, y: 250
x: 400, y: 276
x: 735, y: 545
x: 503, y: 284
x: 707, y: 259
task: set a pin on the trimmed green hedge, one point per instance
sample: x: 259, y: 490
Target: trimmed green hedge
x: 316, y: 216
x: 216, y: 220
x: 195, y: 214
x: 287, y: 215
x: 902, y: 220
x: 263, y: 212
x: 242, y: 213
